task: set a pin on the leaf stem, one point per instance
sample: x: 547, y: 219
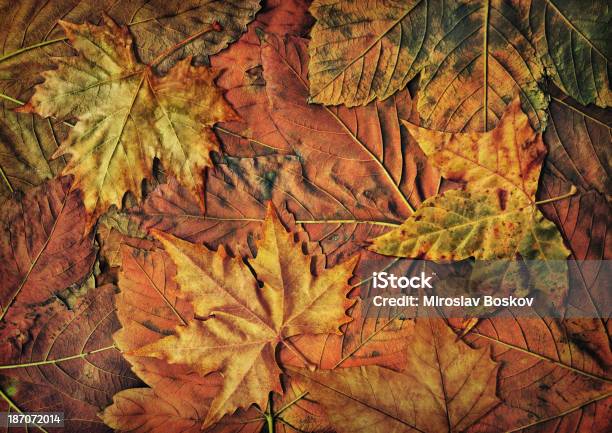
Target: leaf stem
x: 485, y: 66
x: 270, y: 414
x: 8, y: 98
x: 5, y: 179
x: 30, y: 47
x: 233, y: 134
x: 54, y: 361
x: 571, y: 192
x: 376, y: 223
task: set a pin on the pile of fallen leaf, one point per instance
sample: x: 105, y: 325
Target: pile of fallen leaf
x: 194, y: 195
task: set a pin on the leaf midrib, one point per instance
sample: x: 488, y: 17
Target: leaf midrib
x: 37, y: 258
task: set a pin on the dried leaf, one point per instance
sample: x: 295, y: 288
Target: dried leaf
x: 142, y: 410
x: 242, y: 78
x: 358, y: 161
x: 114, y: 230
x: 543, y: 375
x: 160, y: 25
x: 579, y: 141
x: 361, y: 51
x: 29, y: 37
x: 468, y: 75
x: 495, y: 217
x: 481, y: 62
x: 42, y: 248
x: 508, y: 158
x: 239, y: 319
x: 149, y: 309
x: 366, y: 340
x: 589, y: 418
x: 445, y: 386
x: 131, y: 116
x: 28, y: 397
x: 70, y: 350
x: 583, y: 221
x: 459, y: 224
x: 237, y: 190
x: 572, y: 40
x: 26, y: 146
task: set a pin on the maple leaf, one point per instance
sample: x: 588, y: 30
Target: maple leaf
x: 245, y: 321
x: 37, y: 231
x: 495, y: 216
x: 31, y: 38
x: 445, y: 386
x: 507, y: 158
x: 149, y: 309
x: 131, y: 115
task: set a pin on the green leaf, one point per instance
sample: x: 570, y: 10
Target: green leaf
x: 457, y: 225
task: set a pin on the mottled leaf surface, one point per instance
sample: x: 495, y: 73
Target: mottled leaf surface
x: 452, y: 386
x: 44, y: 247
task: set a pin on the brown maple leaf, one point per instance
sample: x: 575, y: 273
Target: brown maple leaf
x: 238, y: 324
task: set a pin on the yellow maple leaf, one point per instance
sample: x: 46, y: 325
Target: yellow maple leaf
x: 127, y: 115
x: 507, y: 158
